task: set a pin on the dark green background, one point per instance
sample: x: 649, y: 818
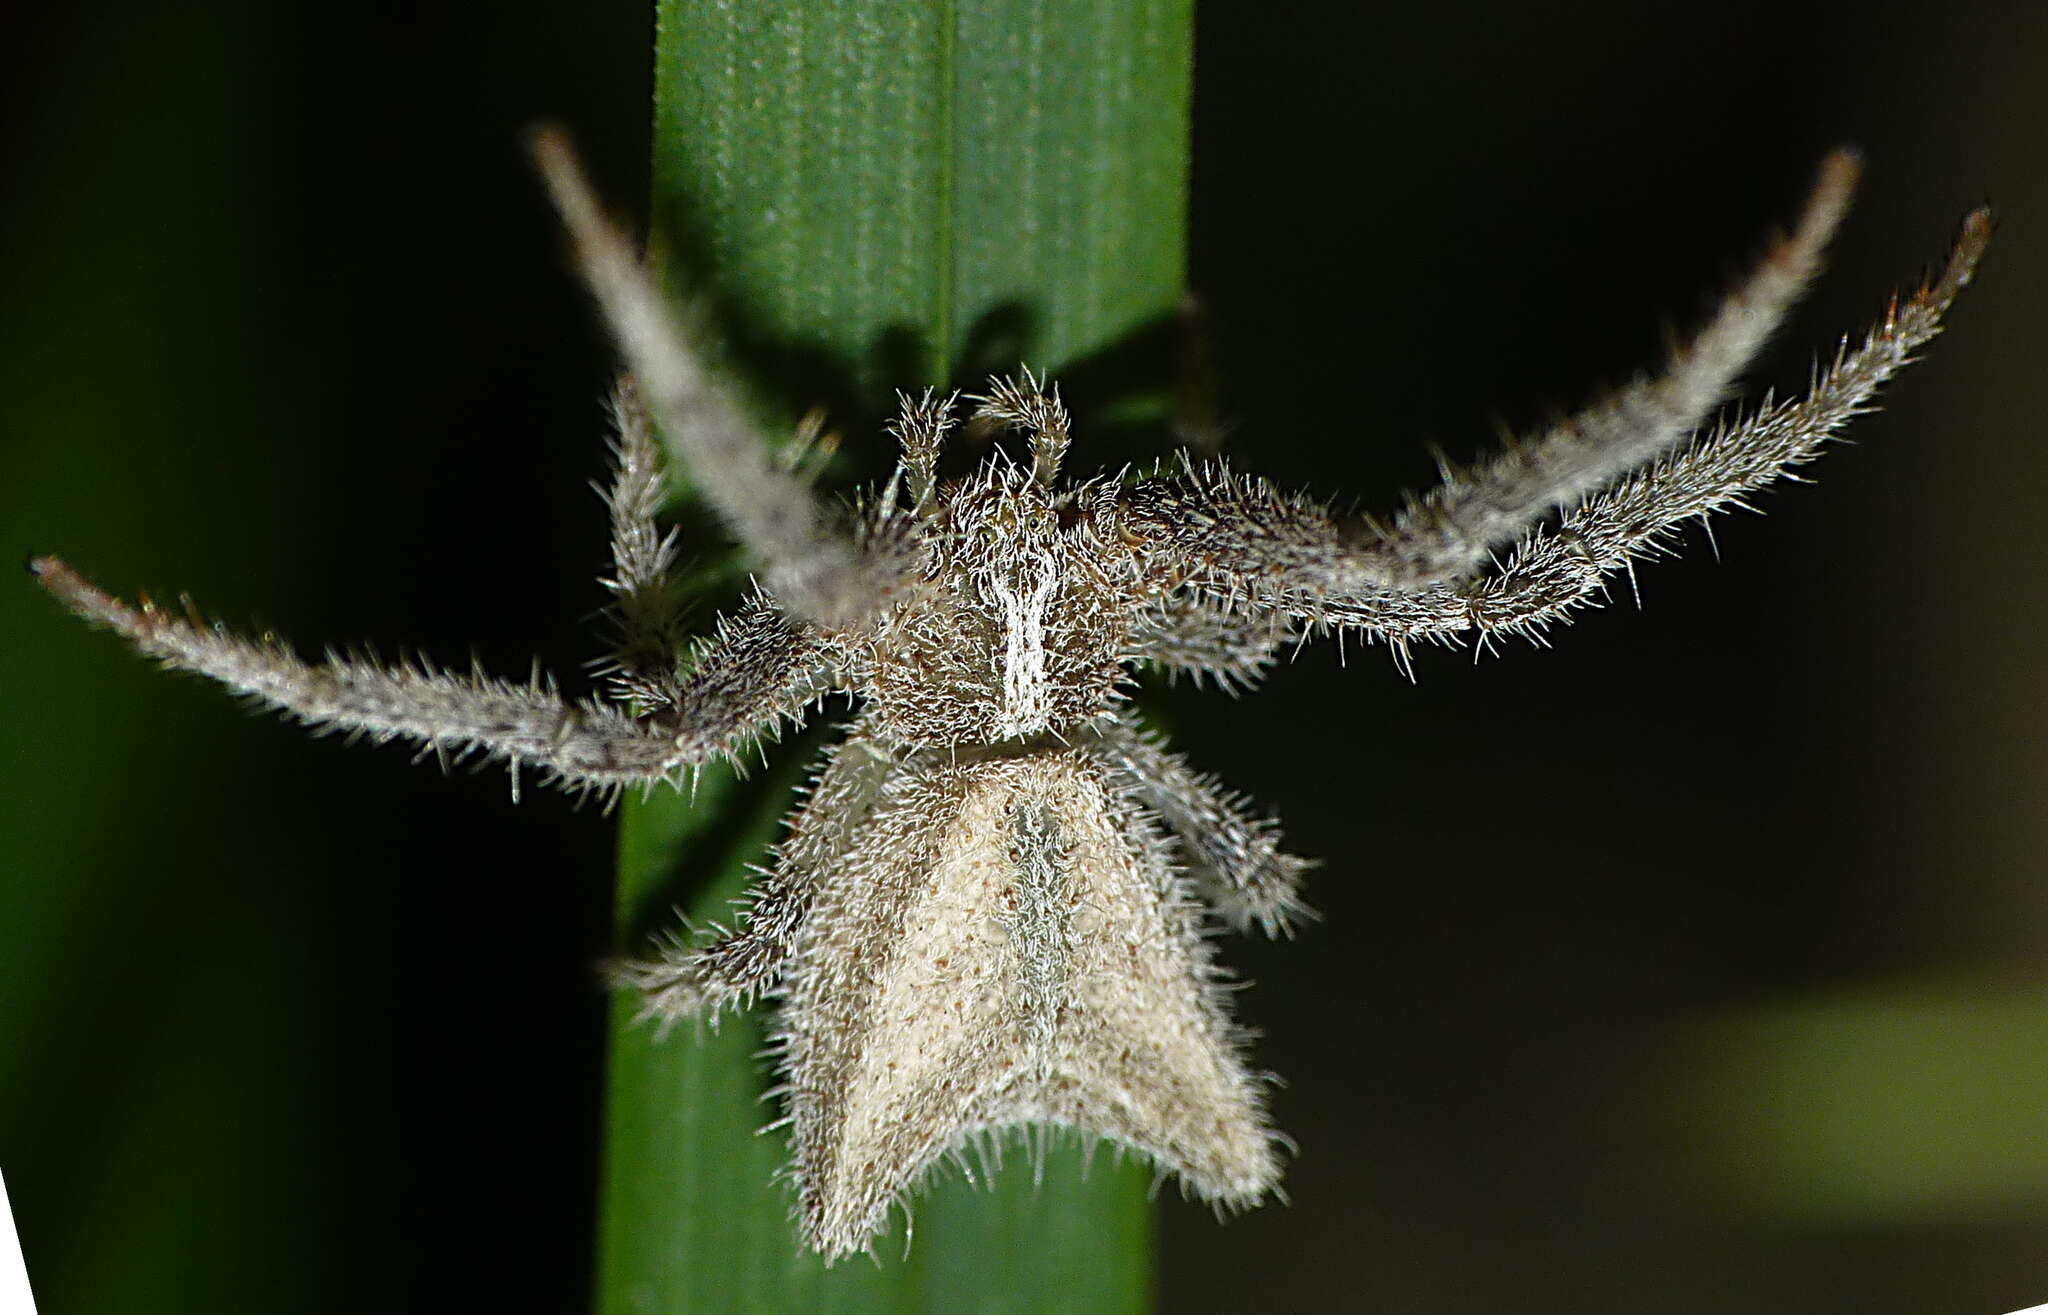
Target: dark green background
x: 1696, y: 963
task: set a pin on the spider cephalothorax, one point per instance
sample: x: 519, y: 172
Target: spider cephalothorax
x: 989, y: 910
x: 1018, y: 623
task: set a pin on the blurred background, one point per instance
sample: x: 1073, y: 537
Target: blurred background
x: 1696, y: 963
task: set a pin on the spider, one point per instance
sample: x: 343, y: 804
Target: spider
x: 990, y: 910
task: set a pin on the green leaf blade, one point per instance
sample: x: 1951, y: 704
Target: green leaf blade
x: 841, y: 175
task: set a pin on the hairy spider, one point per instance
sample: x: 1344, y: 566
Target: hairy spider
x: 990, y: 909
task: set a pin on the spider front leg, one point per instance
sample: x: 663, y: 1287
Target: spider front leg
x: 1451, y: 531
x: 1287, y: 555
x: 700, y: 978
x: 817, y: 565
x: 1235, y: 857
x: 1556, y: 570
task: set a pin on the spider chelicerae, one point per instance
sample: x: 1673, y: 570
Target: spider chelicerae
x: 989, y: 910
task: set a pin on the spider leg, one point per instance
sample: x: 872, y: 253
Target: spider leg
x: 691, y: 978
x: 812, y: 561
x: 1450, y: 531
x: 759, y: 667
x: 1555, y: 570
x: 1235, y: 857
x: 650, y: 637
x: 1254, y: 547
x: 1205, y: 638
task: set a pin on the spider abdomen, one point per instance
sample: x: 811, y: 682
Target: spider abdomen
x: 1009, y: 943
